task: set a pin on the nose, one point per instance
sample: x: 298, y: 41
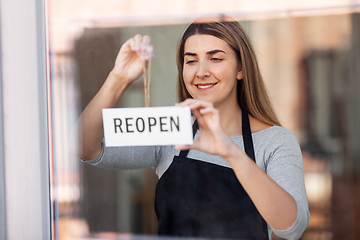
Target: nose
x: 203, y: 70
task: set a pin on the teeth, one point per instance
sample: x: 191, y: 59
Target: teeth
x: 205, y: 86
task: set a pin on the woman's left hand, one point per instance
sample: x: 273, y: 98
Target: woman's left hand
x: 276, y: 206
x: 212, y: 139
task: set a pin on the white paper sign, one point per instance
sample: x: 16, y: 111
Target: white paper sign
x: 147, y: 126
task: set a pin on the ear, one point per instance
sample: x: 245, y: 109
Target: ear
x: 239, y: 75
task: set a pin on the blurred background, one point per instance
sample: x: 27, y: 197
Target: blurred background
x: 309, y: 53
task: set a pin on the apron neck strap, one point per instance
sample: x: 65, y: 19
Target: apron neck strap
x: 246, y: 131
x: 184, y: 153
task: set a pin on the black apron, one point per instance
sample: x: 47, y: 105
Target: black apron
x: 200, y: 199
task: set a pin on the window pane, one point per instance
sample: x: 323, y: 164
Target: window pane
x: 310, y: 62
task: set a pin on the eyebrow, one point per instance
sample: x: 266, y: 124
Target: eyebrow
x: 208, y: 53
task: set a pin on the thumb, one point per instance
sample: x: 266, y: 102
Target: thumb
x: 183, y: 147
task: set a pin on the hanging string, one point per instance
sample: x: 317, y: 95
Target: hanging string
x: 147, y: 54
x: 147, y: 82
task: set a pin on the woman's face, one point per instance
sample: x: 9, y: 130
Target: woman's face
x: 211, y: 70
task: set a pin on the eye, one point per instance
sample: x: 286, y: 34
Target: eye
x: 216, y: 59
x: 190, y: 62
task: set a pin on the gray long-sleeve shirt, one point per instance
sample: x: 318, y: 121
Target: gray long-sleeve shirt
x: 277, y: 153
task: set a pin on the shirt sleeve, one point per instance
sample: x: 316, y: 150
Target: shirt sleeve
x: 133, y: 157
x: 285, y: 166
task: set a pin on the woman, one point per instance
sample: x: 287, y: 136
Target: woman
x: 243, y: 176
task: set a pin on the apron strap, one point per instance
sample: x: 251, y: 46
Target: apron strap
x: 249, y: 149
x: 246, y: 131
x: 184, y: 153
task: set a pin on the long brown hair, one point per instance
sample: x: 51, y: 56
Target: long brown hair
x: 251, y: 92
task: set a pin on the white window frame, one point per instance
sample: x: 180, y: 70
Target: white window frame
x: 25, y: 211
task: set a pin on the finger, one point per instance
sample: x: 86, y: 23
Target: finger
x: 183, y: 147
x: 188, y: 100
x: 181, y: 104
x: 209, y: 110
x: 135, y: 42
x: 184, y: 103
x: 146, y: 39
x: 127, y: 46
x: 196, y: 106
x: 196, y: 113
x: 141, y: 45
x: 202, y: 121
x: 194, y: 103
x: 200, y: 105
x: 133, y: 46
x: 138, y: 39
x: 195, y: 145
x: 147, y: 51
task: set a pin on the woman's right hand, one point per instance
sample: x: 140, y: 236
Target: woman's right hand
x: 128, y: 67
x: 129, y: 62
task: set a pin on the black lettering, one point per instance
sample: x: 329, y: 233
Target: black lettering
x: 151, y: 124
x: 137, y: 124
x: 128, y: 124
x: 177, y: 125
x: 162, y: 124
x: 117, y: 125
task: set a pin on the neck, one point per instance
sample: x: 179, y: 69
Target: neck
x: 230, y: 119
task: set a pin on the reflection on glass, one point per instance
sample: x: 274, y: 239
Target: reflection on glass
x: 311, y: 67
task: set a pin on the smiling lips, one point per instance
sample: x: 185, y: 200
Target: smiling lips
x: 205, y: 86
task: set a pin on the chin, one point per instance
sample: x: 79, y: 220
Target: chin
x: 207, y: 99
